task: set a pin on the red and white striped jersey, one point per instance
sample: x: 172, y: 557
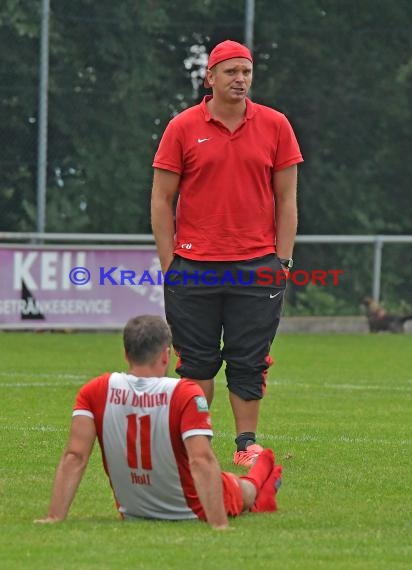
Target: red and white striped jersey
x: 141, y: 424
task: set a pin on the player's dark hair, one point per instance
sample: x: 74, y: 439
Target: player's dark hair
x: 145, y: 337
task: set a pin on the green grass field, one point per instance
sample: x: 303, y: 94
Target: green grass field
x: 337, y: 413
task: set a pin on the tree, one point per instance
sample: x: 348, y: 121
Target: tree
x: 18, y: 93
x: 341, y: 72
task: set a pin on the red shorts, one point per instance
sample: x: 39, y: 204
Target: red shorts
x: 232, y: 496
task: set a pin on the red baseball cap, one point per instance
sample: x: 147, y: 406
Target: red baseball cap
x: 226, y: 50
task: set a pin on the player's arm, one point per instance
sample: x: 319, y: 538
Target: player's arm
x: 205, y: 471
x: 71, y: 468
x: 165, y: 188
x: 286, y: 214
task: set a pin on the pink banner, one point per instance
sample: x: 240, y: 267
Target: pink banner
x: 57, y: 287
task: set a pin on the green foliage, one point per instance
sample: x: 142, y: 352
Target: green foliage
x: 315, y: 300
x: 18, y: 100
x: 342, y: 72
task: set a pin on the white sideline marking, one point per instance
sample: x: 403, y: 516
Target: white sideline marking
x: 42, y: 375
x: 32, y: 428
x: 341, y: 386
x: 39, y: 384
x: 261, y: 436
x: 366, y: 387
x: 78, y: 379
x: 314, y: 438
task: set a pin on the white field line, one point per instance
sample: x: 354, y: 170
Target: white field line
x: 68, y: 380
x: 33, y: 428
x: 41, y: 384
x: 342, y: 439
x: 42, y: 375
x: 367, y: 387
x: 82, y: 378
x: 79, y: 378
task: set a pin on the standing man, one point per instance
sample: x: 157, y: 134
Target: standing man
x: 154, y: 433
x: 233, y: 163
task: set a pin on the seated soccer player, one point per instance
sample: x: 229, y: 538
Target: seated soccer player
x: 154, y: 433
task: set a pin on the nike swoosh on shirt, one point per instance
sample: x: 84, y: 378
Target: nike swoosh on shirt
x: 202, y: 140
x: 275, y: 295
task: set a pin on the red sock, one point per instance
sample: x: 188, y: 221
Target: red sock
x: 265, y: 501
x: 261, y: 470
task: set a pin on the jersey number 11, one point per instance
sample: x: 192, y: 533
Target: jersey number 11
x: 138, y: 427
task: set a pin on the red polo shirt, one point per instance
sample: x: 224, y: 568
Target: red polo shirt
x: 226, y: 208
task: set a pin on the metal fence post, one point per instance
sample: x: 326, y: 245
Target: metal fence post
x: 43, y: 104
x: 249, y: 23
x: 249, y: 28
x: 377, y: 268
